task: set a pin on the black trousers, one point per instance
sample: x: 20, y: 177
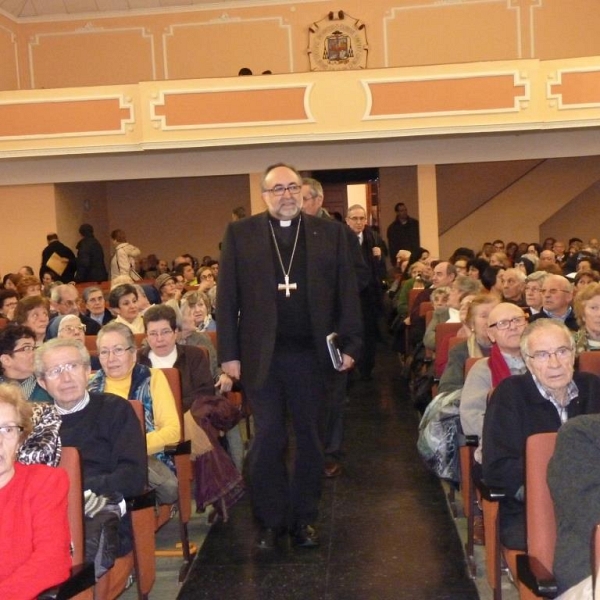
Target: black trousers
x: 295, y: 383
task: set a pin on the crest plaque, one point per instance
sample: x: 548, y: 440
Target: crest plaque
x: 337, y: 42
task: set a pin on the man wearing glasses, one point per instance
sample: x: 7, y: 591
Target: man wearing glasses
x: 285, y: 283
x: 64, y: 300
x: 102, y: 426
x: 538, y: 401
x: 557, y: 296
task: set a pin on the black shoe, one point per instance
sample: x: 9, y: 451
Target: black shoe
x: 305, y: 536
x: 332, y: 468
x: 267, y: 537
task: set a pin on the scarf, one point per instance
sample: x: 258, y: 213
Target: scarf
x: 498, y: 366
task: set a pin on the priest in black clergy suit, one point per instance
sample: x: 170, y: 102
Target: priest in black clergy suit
x: 286, y: 281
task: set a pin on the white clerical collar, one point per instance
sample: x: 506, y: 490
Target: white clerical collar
x: 285, y: 223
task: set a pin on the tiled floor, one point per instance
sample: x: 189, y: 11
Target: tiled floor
x: 385, y: 527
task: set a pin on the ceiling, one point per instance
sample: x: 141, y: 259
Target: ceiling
x: 40, y: 9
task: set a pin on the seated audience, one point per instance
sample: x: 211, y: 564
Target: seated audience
x: 17, y: 344
x: 35, y: 313
x: 584, y: 278
x: 64, y: 299
x: 533, y: 291
x: 547, y: 259
x: 207, y: 283
x: 491, y: 278
x: 499, y: 259
x: 122, y: 376
x: 29, y: 285
x: 123, y: 301
x: 95, y: 305
x: 506, y: 323
x: 162, y: 267
x: 8, y: 303
x: 34, y: 527
x: 47, y: 283
x: 10, y: 280
x: 539, y: 401
x: 513, y: 287
x: 460, y: 287
x: 476, y: 345
x: 439, y: 298
x: 557, y: 296
x: 587, y: 312
x: 476, y: 267
x: 534, y: 248
x: 198, y: 396
x: 574, y: 482
x: 201, y: 310
x: 165, y: 284
x: 186, y: 271
x: 103, y: 427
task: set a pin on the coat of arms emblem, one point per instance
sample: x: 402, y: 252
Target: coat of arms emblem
x: 337, y: 42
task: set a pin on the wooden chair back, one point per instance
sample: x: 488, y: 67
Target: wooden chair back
x: 412, y: 296
x: 589, y: 362
x: 70, y: 461
x: 424, y: 308
x: 539, y: 508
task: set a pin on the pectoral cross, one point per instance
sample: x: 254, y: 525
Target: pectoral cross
x: 287, y: 286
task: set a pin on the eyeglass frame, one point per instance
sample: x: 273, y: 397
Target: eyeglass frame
x: 280, y: 190
x: 55, y: 372
x: 118, y: 351
x: 23, y: 349
x: 504, y: 324
x: 543, y: 356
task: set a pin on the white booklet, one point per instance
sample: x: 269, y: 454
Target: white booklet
x: 334, y: 351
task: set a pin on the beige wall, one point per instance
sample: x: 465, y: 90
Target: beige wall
x: 167, y: 217
x: 206, y: 43
x: 28, y: 214
x: 579, y: 218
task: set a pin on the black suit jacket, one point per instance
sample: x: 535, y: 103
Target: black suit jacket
x: 248, y: 288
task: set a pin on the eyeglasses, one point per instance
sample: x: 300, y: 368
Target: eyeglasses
x: 118, y: 351
x: 56, y: 372
x: 25, y: 349
x: 358, y: 218
x: 72, y: 329
x: 157, y: 334
x: 554, y: 291
x: 308, y: 198
x: 10, y: 432
x: 506, y: 323
x: 68, y: 302
x: 207, y: 276
x: 280, y: 190
x: 543, y: 356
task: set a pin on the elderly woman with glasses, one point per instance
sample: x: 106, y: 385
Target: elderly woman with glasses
x: 34, y: 528
x: 17, y: 343
x: 123, y: 376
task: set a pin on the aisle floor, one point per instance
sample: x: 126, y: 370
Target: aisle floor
x: 385, y: 527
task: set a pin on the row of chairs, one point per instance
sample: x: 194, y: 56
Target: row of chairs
x: 532, y: 571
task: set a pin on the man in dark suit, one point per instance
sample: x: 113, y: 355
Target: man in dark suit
x: 371, y: 297
x: 285, y: 283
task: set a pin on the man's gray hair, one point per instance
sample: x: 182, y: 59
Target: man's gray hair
x: 56, y: 293
x: 88, y: 291
x: 518, y: 274
x: 466, y: 285
x: 541, y: 324
x: 56, y: 344
x: 537, y: 276
x: 356, y: 207
x: 315, y: 187
x: 121, y: 329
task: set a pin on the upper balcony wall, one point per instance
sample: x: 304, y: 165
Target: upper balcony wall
x: 506, y: 96
x: 131, y: 47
